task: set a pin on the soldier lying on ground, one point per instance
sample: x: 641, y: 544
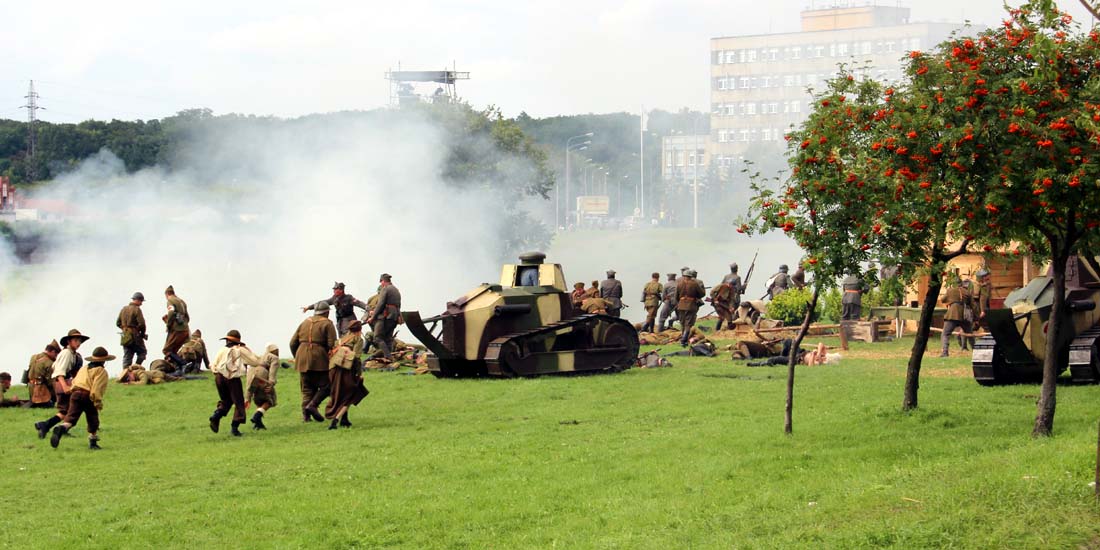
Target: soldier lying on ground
x: 139, y: 375
x: 5, y: 385
x: 816, y: 356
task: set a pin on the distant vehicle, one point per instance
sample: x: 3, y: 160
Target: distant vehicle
x: 517, y: 329
x: 1015, y: 349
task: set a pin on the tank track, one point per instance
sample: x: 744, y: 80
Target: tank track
x: 987, y: 362
x: 1084, y: 362
x: 512, y: 354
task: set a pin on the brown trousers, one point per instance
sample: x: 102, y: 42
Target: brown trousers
x: 62, y: 399
x: 230, y: 393
x: 650, y: 315
x: 313, y: 383
x: 80, y: 402
x: 687, y: 320
x: 174, y: 340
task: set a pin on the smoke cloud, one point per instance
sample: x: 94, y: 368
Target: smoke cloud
x: 249, y: 224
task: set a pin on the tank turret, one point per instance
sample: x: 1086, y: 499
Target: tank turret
x: 523, y: 326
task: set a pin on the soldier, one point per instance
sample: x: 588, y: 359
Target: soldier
x: 651, y: 298
x: 595, y: 304
x: 194, y: 353
x: 724, y: 296
x: 778, y: 283
x: 668, y: 303
x: 176, y: 321
x: 798, y: 280
x: 955, y: 316
x: 38, y: 376
x: 5, y: 385
x: 345, y: 305
x: 737, y: 288
x: 230, y: 365
x: 88, y: 388
x: 747, y: 314
x: 64, y: 368
x: 310, y: 345
x: 132, y: 323
x: 386, y: 315
x: 689, y: 298
x: 261, y: 382
x: 345, y: 376
x: 970, y: 311
x: 592, y: 291
x: 985, y: 292
x: 612, y: 291
x: 577, y: 297
x: 852, y: 301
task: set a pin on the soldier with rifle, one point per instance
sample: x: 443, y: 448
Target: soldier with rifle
x: 651, y: 298
x: 344, y: 304
x: 778, y: 283
x: 132, y: 323
x: 611, y: 290
x: 689, y: 295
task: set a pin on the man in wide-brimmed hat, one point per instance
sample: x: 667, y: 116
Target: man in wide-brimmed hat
x: 38, y: 375
x: 88, y: 389
x: 132, y: 323
x: 345, y: 376
x: 64, y: 368
x: 344, y: 304
x: 310, y: 345
x: 230, y: 365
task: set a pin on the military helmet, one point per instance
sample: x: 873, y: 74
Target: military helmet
x: 138, y: 296
x: 733, y: 267
x: 983, y: 272
x: 783, y: 268
x: 321, y: 308
x: 385, y: 277
x: 691, y: 273
x: 672, y: 276
x: 610, y: 272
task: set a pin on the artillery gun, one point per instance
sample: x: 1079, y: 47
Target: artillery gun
x: 1014, y: 350
x: 524, y: 326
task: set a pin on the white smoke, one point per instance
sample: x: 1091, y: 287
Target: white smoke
x: 251, y: 224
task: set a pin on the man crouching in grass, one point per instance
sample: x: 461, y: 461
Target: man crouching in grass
x: 88, y: 388
x: 229, y: 366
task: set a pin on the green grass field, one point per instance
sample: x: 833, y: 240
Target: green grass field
x: 691, y: 456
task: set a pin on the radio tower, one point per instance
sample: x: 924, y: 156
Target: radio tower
x: 32, y: 135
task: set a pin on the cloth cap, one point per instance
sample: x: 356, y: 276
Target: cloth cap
x: 272, y: 348
x: 169, y: 290
x: 385, y: 277
x: 355, y: 326
x: 54, y: 346
x: 672, y: 276
x: 337, y: 286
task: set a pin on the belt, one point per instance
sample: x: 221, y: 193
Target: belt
x: 852, y: 291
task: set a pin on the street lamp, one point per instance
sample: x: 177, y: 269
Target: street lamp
x: 568, y: 145
x: 695, y: 171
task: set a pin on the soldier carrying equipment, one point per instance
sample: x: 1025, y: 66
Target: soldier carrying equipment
x: 612, y: 291
x: 344, y: 304
x: 689, y: 296
x: 778, y: 283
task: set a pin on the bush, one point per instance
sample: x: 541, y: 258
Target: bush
x: 790, y: 307
x: 830, y: 306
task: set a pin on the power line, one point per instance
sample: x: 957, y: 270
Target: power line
x: 32, y: 117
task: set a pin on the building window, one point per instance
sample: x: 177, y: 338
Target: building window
x: 731, y: 109
x: 722, y: 83
x: 788, y: 80
x: 744, y: 82
x: 750, y: 108
x: 865, y: 48
x: 743, y: 135
x: 889, y: 47
x: 751, y: 56
x: 773, y: 54
x: 796, y: 106
x: 819, y: 51
x: 679, y: 158
x: 914, y: 44
x: 731, y: 56
x: 668, y: 158
x: 842, y: 49
x: 766, y: 135
x: 796, y: 52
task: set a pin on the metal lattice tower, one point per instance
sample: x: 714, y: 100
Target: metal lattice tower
x: 32, y: 118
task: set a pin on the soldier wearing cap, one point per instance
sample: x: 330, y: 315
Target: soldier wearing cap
x: 851, y: 303
x: 176, y: 322
x: 310, y: 345
x: 132, y: 323
x: 779, y: 282
x: 344, y: 304
x: 345, y: 376
x: 65, y: 367
x: 651, y: 299
x: 88, y: 388
x: 38, y: 376
x: 612, y: 291
x: 386, y: 315
x: 230, y: 365
x: 194, y: 353
x: 668, y: 304
x: 985, y: 293
x: 260, y: 384
x: 798, y: 279
x: 595, y: 304
x: 689, y: 297
x: 577, y: 297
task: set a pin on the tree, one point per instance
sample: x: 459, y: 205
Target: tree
x: 1044, y: 110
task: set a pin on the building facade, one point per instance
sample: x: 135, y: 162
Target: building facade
x: 761, y: 85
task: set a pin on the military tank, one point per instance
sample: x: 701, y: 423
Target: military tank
x: 1015, y: 348
x: 524, y: 326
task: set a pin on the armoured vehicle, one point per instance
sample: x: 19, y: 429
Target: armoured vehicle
x: 524, y: 326
x: 1014, y: 350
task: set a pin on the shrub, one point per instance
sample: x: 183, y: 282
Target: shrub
x: 830, y: 306
x: 790, y: 306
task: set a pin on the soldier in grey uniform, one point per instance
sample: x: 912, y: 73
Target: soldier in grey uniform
x: 384, y: 317
x: 852, y: 302
x: 736, y: 287
x: 344, y: 304
x: 612, y: 291
x: 779, y: 282
x: 668, y: 304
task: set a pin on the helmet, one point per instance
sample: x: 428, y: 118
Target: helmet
x: 983, y: 272
x: 783, y: 267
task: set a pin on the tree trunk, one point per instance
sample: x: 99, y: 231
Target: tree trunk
x: 924, y: 329
x: 1096, y: 480
x: 1044, y: 415
x: 792, y: 360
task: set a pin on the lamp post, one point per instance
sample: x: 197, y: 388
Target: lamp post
x: 695, y: 171
x: 568, y: 145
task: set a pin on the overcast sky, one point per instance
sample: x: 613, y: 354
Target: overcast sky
x: 142, y: 59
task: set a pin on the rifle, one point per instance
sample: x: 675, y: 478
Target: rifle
x: 748, y: 274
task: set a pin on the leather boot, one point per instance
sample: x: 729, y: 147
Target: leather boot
x: 344, y: 420
x: 216, y: 420
x: 235, y: 431
x: 93, y: 444
x: 258, y: 421
x: 332, y: 425
x: 45, y: 426
x: 305, y: 415
x: 58, y: 431
x: 311, y: 408
x: 718, y: 326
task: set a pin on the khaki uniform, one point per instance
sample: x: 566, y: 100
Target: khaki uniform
x: 689, y: 296
x: 194, y: 351
x: 132, y: 322
x: 261, y: 380
x: 780, y: 282
x: 176, y: 321
x: 721, y: 297
x: 651, y: 298
x: 595, y: 305
x: 38, y: 379
x: 985, y: 293
x: 577, y: 299
x: 852, y: 301
x: 310, y: 345
x: 955, y: 318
